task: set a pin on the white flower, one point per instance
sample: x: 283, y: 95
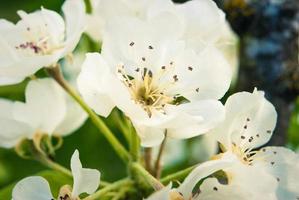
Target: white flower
x: 38, y: 40
x: 249, y: 124
x: 84, y: 181
x: 155, y: 80
x: 47, y: 110
x: 103, y: 11
x: 204, y: 23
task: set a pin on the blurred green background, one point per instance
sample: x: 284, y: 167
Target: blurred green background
x: 268, y: 60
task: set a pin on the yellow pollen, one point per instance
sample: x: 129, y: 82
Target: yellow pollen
x: 145, y: 92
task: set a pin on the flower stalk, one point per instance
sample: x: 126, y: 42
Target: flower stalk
x: 148, y: 158
x: 178, y: 176
x: 55, y: 72
x: 114, y: 186
x: 158, y: 166
x: 53, y: 165
x: 134, y: 144
x: 156, y: 184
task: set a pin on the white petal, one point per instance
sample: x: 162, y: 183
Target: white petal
x: 202, y: 20
x: 93, y: 86
x: 250, y: 120
x: 213, y: 190
x: 6, y: 107
x: 55, y: 23
x: 283, y: 164
x: 10, y: 80
x: 196, y: 118
x: 244, y: 182
x: 95, y: 26
x: 157, y: 7
x: 119, y: 35
x: 74, y: 118
x: 196, y: 84
x: 32, y: 188
x: 7, y: 53
x: 12, y: 131
x: 45, y: 105
x: 85, y: 180
x: 228, y: 44
x: 203, y: 170
x: 74, y: 12
x: 150, y: 136
x: 162, y: 194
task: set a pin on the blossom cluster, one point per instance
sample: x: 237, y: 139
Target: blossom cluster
x: 165, y: 66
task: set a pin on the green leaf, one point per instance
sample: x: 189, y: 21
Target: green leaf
x: 55, y: 179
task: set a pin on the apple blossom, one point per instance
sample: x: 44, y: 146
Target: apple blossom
x: 155, y: 80
x: 47, y: 110
x: 103, y: 11
x: 84, y: 181
x: 38, y: 40
x: 204, y: 23
x: 244, y: 130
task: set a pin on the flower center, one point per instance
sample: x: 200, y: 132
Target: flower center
x: 245, y: 156
x: 39, y: 42
x: 145, y: 90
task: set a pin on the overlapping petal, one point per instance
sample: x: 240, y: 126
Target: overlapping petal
x: 85, y: 180
x: 250, y: 121
x: 283, y: 165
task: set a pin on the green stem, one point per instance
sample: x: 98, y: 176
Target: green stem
x: 148, y: 151
x: 109, y: 188
x: 134, y: 144
x: 53, y: 165
x: 158, y: 167
x: 121, y: 193
x: 147, y: 176
x: 88, y: 6
x: 122, y: 124
x: 178, y: 176
x: 55, y: 72
x: 104, y: 184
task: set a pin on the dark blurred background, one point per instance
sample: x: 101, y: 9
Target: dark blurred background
x: 268, y: 33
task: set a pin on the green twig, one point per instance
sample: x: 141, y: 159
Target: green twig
x: 148, y: 158
x: 178, y: 176
x: 55, y: 72
x: 109, y: 188
x: 53, y: 165
x: 88, y: 6
x: 134, y: 144
x: 147, y: 176
x: 158, y: 167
